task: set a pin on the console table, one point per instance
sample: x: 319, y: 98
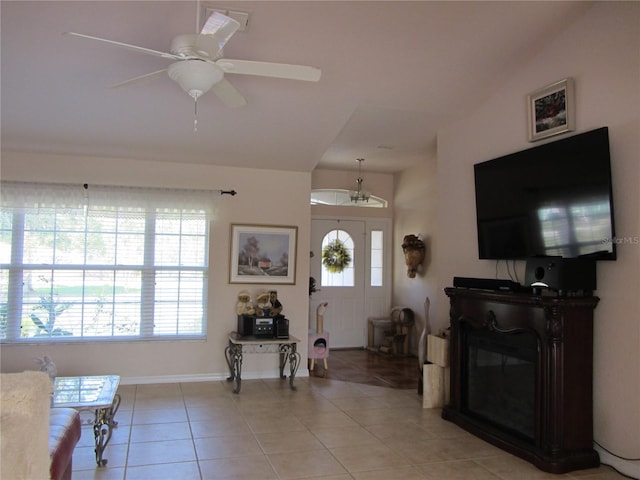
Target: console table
x: 96, y: 393
x: 238, y: 345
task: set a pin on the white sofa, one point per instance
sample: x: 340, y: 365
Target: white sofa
x: 37, y: 441
x: 25, y: 404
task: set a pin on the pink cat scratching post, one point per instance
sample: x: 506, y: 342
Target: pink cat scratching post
x: 319, y: 341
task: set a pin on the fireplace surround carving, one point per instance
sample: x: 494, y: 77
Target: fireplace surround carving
x: 487, y: 328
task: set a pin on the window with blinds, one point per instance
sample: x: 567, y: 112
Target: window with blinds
x: 90, y: 268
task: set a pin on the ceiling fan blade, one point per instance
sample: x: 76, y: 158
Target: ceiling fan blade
x: 268, y: 69
x: 229, y: 95
x: 135, y: 48
x: 139, y: 79
x: 215, y: 33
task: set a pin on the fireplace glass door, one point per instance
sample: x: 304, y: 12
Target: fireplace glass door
x: 499, y: 379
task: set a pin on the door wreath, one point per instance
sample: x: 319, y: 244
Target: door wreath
x: 336, y: 257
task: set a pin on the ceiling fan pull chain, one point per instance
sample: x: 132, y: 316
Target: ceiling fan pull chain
x: 195, y: 115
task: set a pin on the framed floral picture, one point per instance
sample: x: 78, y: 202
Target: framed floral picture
x: 551, y: 110
x: 263, y: 254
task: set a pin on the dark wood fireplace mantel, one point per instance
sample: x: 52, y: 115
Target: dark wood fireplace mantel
x: 562, y: 327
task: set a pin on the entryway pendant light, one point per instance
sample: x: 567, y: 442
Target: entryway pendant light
x: 359, y: 195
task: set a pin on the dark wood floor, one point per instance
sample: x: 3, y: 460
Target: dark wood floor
x: 371, y: 368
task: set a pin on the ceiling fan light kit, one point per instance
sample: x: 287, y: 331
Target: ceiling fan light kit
x: 195, y: 76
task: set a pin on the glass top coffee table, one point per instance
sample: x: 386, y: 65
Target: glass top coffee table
x: 96, y: 393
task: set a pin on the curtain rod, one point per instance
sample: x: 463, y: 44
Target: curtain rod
x: 233, y: 193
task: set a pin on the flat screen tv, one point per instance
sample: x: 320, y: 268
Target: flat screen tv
x: 551, y: 200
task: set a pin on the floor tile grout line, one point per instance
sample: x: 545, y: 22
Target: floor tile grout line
x: 193, y: 442
x: 126, y: 455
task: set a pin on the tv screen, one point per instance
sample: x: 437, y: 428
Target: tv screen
x: 550, y: 200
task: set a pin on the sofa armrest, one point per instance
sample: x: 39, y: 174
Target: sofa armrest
x: 64, y: 433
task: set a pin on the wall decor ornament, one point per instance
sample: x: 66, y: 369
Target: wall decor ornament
x: 336, y: 257
x: 551, y: 110
x: 263, y: 254
x: 414, y: 250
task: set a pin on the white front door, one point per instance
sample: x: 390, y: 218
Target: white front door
x: 345, y: 318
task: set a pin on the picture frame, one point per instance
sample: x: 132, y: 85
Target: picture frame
x: 263, y: 254
x: 551, y: 110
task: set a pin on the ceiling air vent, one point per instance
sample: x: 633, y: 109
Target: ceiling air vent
x: 241, y: 17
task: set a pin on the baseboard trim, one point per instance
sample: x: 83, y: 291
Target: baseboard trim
x: 205, y: 377
x: 627, y: 467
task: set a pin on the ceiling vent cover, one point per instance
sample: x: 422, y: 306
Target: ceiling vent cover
x: 241, y: 17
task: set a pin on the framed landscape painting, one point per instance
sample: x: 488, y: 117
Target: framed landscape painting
x: 263, y: 254
x: 551, y: 110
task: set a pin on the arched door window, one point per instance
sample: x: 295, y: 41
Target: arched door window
x: 346, y: 277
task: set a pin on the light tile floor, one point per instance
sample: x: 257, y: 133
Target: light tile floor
x: 326, y: 430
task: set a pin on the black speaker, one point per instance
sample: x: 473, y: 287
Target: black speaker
x: 561, y: 274
x: 282, y: 327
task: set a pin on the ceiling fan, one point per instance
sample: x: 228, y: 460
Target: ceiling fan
x: 199, y: 65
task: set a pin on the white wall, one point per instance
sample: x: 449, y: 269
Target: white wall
x: 601, y: 51
x: 264, y: 197
x: 415, y: 213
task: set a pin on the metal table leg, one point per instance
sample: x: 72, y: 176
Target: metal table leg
x: 103, y: 426
x: 288, y: 352
x: 233, y: 354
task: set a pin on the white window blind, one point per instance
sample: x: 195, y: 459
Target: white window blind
x: 99, y: 262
